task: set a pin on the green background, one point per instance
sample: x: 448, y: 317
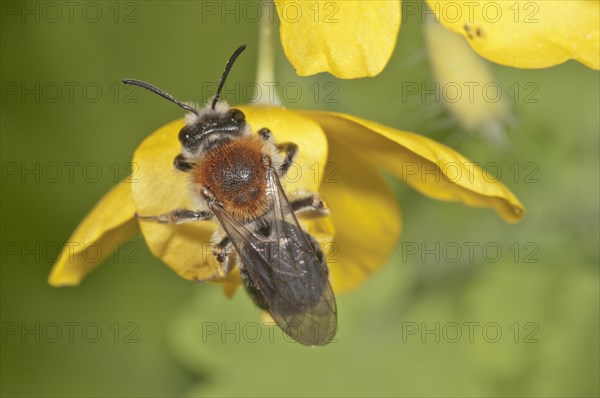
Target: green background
x: 541, y: 292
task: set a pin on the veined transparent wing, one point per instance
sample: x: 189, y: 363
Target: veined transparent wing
x: 287, y: 268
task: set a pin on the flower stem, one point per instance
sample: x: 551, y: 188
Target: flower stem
x: 265, y: 68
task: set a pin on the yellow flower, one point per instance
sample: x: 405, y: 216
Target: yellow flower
x: 466, y: 85
x: 339, y: 156
x: 352, y: 39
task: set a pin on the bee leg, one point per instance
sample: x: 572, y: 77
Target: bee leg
x: 308, y: 203
x: 180, y: 163
x: 221, y: 251
x: 289, y: 148
x: 265, y: 134
x: 179, y: 216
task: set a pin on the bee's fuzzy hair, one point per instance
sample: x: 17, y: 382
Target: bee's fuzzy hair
x: 207, y: 110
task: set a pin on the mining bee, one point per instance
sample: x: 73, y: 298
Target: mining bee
x: 235, y: 176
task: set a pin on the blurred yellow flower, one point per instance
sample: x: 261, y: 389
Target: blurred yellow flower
x: 339, y: 155
x: 352, y: 39
x: 459, y: 74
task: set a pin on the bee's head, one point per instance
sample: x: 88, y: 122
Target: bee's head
x: 209, y: 125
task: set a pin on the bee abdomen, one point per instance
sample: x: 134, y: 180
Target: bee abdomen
x: 297, y: 282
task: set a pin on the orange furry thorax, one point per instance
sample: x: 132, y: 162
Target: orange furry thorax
x: 235, y: 175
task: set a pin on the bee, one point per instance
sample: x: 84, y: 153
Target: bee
x: 235, y: 177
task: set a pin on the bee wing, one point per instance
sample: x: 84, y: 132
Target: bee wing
x: 289, y: 274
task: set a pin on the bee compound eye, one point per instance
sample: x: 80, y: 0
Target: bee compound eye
x: 237, y: 115
x: 185, y: 135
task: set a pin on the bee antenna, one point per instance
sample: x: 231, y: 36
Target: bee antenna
x: 234, y: 56
x: 163, y: 94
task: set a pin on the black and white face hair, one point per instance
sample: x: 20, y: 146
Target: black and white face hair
x: 210, y: 128
x: 206, y: 127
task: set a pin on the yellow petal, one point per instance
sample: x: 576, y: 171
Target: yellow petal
x: 159, y: 189
x: 348, y: 39
x: 365, y: 214
x: 430, y: 167
x: 187, y: 248
x: 230, y: 283
x: 110, y: 223
x: 524, y: 33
